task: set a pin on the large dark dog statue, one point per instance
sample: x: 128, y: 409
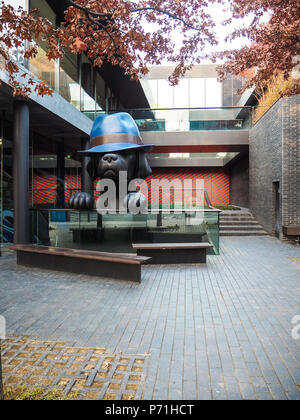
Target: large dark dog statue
x: 116, y: 146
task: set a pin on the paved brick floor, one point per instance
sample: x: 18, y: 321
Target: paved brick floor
x: 216, y: 331
x: 78, y: 372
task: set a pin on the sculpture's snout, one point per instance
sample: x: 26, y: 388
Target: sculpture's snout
x: 110, y: 157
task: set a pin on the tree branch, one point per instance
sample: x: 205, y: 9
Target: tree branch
x: 108, y: 16
x: 165, y: 13
x: 93, y: 18
x: 90, y: 12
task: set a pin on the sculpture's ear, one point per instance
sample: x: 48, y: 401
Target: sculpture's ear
x: 91, y: 168
x: 143, y: 167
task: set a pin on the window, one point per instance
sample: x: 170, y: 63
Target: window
x: 165, y: 94
x: 213, y: 97
x: 181, y: 94
x: 189, y: 93
x: 197, y: 93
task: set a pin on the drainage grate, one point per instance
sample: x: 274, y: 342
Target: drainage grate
x: 91, y: 372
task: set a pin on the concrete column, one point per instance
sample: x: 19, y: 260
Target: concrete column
x: 86, y: 182
x: 21, y: 172
x: 60, y: 173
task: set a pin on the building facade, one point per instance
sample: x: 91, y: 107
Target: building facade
x: 275, y: 167
x: 201, y: 129
x: 40, y: 136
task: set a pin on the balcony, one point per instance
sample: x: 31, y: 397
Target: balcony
x: 193, y: 130
x: 188, y: 119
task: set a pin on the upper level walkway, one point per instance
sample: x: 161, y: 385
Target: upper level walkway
x: 196, y: 129
x: 194, y: 136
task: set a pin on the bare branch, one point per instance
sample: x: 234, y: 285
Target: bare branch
x: 164, y: 12
x: 108, y: 16
x: 90, y: 12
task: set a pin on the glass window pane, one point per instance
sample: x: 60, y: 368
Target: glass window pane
x: 40, y: 65
x: 150, y: 89
x: 44, y: 69
x: 165, y: 94
x: 68, y: 86
x: 197, y: 93
x: 213, y: 93
x: 181, y: 94
x: 174, y: 120
x: 100, y: 92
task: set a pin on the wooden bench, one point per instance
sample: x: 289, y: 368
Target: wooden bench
x: 174, y: 253
x: 104, y: 264
x: 292, y: 230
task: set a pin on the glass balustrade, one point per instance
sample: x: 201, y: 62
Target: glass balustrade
x: 116, y: 232
x: 193, y: 119
x: 46, y: 70
x: 61, y: 76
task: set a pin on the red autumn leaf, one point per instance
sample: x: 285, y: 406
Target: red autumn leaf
x: 78, y: 45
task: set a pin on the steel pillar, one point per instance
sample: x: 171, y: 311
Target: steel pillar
x: 21, y: 172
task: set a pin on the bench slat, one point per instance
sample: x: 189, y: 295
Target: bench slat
x: 292, y: 230
x: 80, y: 253
x: 195, y: 245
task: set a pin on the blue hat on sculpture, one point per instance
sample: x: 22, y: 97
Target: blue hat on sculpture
x: 115, y: 133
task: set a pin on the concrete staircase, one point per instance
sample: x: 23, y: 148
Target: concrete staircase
x: 239, y: 223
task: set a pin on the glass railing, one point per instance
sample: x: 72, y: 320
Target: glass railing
x: 189, y: 119
x: 59, y: 80
x: 69, y: 89
x: 46, y: 70
x: 6, y: 226
x: 116, y: 232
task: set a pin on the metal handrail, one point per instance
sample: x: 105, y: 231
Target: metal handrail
x: 170, y: 109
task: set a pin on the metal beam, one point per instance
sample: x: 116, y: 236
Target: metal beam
x: 188, y: 162
x: 221, y: 140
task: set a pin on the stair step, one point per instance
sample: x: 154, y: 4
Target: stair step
x: 235, y: 213
x: 243, y: 233
x: 241, y: 227
x: 238, y: 222
x: 236, y: 218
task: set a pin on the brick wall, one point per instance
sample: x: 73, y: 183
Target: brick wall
x: 239, y: 183
x: 274, y: 155
x: 291, y: 161
x: 43, y: 189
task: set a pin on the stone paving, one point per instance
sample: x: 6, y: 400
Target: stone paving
x: 216, y: 331
x: 78, y: 372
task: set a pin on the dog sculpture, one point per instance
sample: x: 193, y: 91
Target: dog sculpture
x: 116, y: 146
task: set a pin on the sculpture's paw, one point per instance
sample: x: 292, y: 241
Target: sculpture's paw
x: 136, y: 203
x: 81, y: 201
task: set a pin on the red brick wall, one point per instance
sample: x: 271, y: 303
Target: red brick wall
x: 216, y: 183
